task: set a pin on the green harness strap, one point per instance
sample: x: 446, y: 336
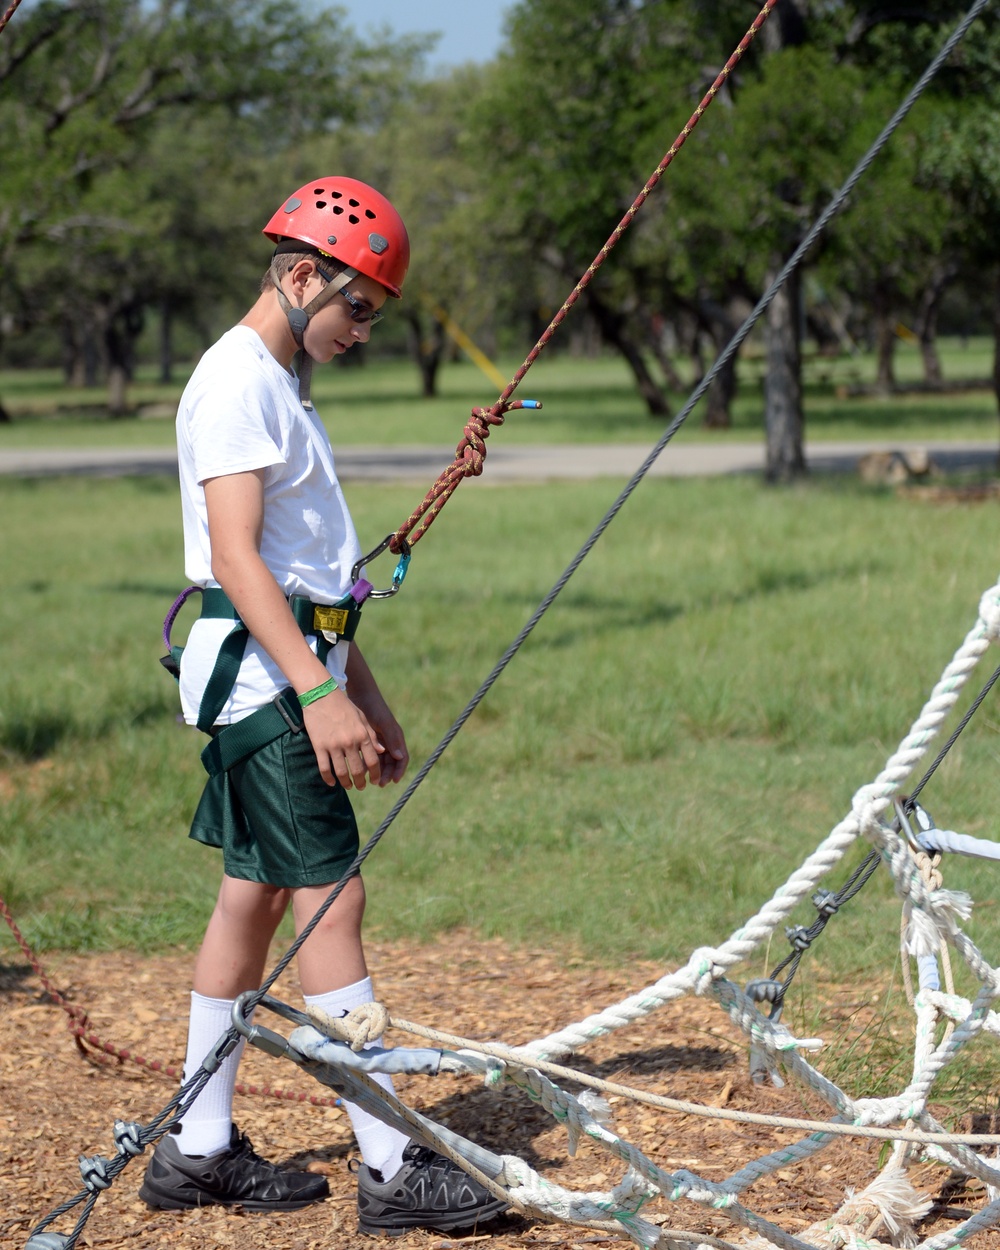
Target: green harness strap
x: 232, y: 745
x: 329, y: 623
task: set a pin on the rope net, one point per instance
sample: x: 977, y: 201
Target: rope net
x: 889, y: 1209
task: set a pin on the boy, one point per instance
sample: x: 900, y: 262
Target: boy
x: 268, y: 534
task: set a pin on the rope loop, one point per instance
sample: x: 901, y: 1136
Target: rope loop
x: 364, y: 1024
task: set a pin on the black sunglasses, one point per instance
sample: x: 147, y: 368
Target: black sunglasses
x: 360, y: 311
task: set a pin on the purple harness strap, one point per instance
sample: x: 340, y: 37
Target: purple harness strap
x: 178, y: 603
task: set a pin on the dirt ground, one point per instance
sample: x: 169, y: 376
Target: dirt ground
x: 56, y: 1105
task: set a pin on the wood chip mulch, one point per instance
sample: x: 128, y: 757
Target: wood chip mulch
x: 56, y: 1105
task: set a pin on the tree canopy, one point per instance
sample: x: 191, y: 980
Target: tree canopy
x: 142, y: 142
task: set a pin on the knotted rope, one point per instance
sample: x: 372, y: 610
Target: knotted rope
x: 470, y: 455
x: 364, y: 1024
x: 471, y: 451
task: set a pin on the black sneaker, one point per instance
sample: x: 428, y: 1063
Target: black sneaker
x: 233, y: 1177
x: 428, y: 1191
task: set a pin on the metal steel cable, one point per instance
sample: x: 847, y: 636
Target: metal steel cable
x: 911, y: 798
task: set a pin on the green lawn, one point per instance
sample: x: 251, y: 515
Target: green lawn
x: 685, y: 725
x: 584, y: 401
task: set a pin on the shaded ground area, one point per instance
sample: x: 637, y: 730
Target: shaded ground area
x: 56, y: 1105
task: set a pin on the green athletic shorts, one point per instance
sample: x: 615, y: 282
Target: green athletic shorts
x: 276, y: 819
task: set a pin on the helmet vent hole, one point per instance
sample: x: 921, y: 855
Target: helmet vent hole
x: 336, y: 195
x: 338, y: 208
x: 354, y: 203
x: 353, y: 219
x: 321, y: 203
x: 369, y: 214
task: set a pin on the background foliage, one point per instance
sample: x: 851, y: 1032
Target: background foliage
x: 144, y: 143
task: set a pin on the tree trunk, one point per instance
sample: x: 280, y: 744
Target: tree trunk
x: 996, y: 346
x: 611, y: 325
x: 81, y: 358
x: 427, y: 349
x: 721, y: 392
x: 166, y: 342
x: 927, y: 321
x: 122, y: 327
x: 661, y: 354
x: 719, y: 396
x: 783, y: 415
x: 885, y: 339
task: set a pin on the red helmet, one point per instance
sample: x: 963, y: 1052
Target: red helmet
x: 351, y: 222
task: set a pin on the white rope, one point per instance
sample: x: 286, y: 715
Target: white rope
x: 888, y: 1207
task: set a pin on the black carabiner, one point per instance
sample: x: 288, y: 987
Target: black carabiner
x: 398, y: 575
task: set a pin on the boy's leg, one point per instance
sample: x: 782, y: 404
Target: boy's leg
x: 335, y: 979
x: 400, y: 1185
x: 230, y: 962
x: 208, y: 1161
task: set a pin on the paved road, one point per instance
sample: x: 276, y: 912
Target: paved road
x: 517, y: 463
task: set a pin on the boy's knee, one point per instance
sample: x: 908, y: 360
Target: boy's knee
x: 346, y: 912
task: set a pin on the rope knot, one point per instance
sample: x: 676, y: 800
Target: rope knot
x: 364, y: 1024
x: 472, y: 448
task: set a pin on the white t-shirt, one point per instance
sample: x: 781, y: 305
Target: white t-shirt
x: 241, y: 412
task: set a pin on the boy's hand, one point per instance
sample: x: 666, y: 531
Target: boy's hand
x: 395, y: 756
x: 347, y: 748
x: 388, y: 736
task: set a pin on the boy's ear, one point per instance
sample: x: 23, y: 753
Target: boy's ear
x: 301, y: 272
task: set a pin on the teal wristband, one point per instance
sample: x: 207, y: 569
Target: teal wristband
x: 317, y: 692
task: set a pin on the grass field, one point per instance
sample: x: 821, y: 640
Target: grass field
x: 688, y: 721
x: 584, y: 401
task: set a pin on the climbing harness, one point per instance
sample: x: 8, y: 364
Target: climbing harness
x: 328, y: 623
x: 705, y: 973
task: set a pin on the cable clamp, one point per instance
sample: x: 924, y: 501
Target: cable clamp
x: 94, y: 1170
x: 799, y: 936
x: 826, y: 903
x: 765, y: 990
x: 128, y: 1138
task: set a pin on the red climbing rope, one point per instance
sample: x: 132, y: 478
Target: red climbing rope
x: 93, y: 1047
x: 471, y: 451
x: 9, y: 14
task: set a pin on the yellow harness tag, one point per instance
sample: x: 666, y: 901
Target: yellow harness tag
x: 330, y: 620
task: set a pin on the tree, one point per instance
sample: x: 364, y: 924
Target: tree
x: 127, y: 125
x: 583, y: 102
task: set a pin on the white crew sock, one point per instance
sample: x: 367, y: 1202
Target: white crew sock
x: 207, y: 1125
x: 381, y: 1146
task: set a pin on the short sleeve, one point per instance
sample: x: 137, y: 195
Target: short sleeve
x: 233, y: 428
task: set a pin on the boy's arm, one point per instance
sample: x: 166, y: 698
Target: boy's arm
x: 347, y: 748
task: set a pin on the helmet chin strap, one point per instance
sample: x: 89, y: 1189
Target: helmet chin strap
x: 298, y: 319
